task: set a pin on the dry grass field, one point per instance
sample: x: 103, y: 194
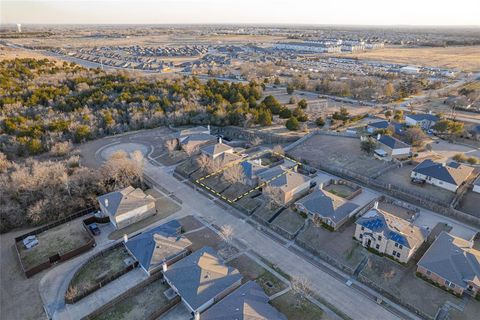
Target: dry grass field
x: 465, y: 58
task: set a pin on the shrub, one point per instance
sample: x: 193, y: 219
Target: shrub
x: 472, y: 160
x: 292, y: 124
x: 285, y: 113
x: 320, y: 122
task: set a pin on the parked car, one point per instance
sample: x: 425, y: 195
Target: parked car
x: 418, y: 181
x: 94, y: 228
x: 30, y: 241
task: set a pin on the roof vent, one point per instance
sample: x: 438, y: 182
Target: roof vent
x: 106, y: 202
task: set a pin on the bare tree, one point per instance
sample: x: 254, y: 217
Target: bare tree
x: 272, y: 197
x: 234, y: 174
x: 4, y: 163
x: 278, y: 150
x: 171, y: 145
x: 256, y: 141
x: 300, y: 285
x: 227, y: 233
x: 190, y: 149
x: 122, y: 171
x: 60, y: 149
x: 204, y: 162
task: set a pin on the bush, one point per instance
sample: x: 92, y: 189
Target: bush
x: 459, y: 157
x: 320, y: 122
x: 285, y: 113
x: 292, y: 124
x: 302, y: 104
x: 472, y: 160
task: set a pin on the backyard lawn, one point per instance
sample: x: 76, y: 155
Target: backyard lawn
x: 99, y: 268
x: 138, y: 306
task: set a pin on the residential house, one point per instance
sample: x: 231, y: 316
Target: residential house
x: 452, y: 262
x: 389, y: 234
x: 127, y: 206
x: 249, y: 302
x: 392, y: 147
x: 289, y: 184
x: 424, y: 120
x: 196, y: 137
x: 383, y: 124
x: 202, y: 279
x: 448, y: 176
x: 213, y: 151
x: 476, y: 185
x: 158, y: 246
x: 251, y: 170
x: 329, y: 208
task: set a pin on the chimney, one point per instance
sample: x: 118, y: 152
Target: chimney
x: 375, y: 205
x: 125, y: 238
x: 429, y: 111
x: 378, y: 136
x: 208, y: 127
x: 220, y: 140
x: 197, y: 315
x: 164, y: 267
x: 106, y: 203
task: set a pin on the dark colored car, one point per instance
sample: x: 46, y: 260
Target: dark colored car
x: 94, y: 228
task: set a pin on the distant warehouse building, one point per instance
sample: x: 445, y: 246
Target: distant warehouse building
x: 317, y: 47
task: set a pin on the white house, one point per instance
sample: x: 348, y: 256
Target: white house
x: 389, y: 234
x: 393, y: 147
x: 448, y: 176
x: 127, y: 206
x: 424, y: 120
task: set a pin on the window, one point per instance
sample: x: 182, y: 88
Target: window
x: 394, y: 253
x: 379, y: 238
x: 361, y: 236
x: 377, y: 246
x: 447, y: 283
x: 396, y: 245
x: 400, y: 246
x: 363, y: 228
x: 429, y: 272
x: 452, y: 285
x: 398, y: 254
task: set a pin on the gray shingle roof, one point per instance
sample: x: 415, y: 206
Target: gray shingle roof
x: 151, y: 248
x: 283, y: 178
x: 452, y: 172
x: 201, y: 276
x: 216, y: 149
x: 125, y: 200
x: 423, y: 116
x: 327, y: 205
x: 247, y: 302
x: 453, y: 259
x: 393, y: 228
x: 392, y: 142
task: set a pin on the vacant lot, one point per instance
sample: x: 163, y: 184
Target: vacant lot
x: 470, y: 312
x: 190, y: 223
x: 465, y: 58
x: 401, y: 282
x: 165, y: 208
x: 138, y: 306
x: 398, y: 211
x: 99, y: 268
x: 295, y: 307
x: 251, y: 270
x: 337, y: 151
x: 61, y: 239
x: 337, y: 245
x: 400, y: 177
x: 205, y: 237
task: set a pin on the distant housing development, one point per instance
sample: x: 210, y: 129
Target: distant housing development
x: 126, y: 206
x: 453, y: 263
x: 448, y: 176
x: 389, y: 234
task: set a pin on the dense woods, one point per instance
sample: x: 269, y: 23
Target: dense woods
x: 43, y: 103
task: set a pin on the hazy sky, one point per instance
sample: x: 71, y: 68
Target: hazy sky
x: 366, y: 12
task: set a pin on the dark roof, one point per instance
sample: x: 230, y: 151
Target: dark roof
x: 151, y: 248
x: 201, y: 276
x: 383, y: 124
x: 250, y: 168
x: 327, y: 205
x: 423, y: 116
x: 217, y: 148
x: 392, y: 142
x: 247, y: 302
x: 283, y: 178
x: 453, y: 259
x: 392, y: 227
x: 452, y: 172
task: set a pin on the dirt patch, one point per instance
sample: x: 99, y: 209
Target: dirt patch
x: 61, y: 239
x: 400, y: 177
x: 190, y: 223
x: 171, y: 159
x: 289, y: 221
x: 470, y: 203
x: 341, y: 190
x: 337, y: 151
